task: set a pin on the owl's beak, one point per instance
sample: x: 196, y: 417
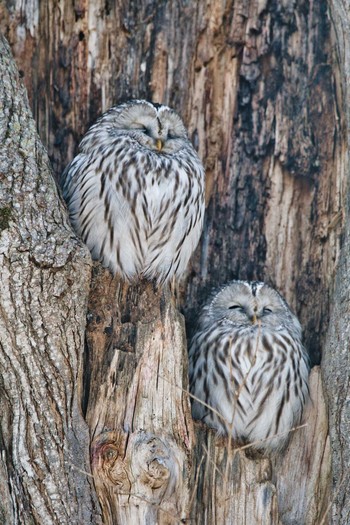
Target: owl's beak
x: 253, y: 319
x: 159, y: 144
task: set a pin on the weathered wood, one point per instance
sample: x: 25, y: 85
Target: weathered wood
x: 303, y: 474
x: 138, y: 412
x: 257, y: 83
x: 283, y: 489
x: 44, y: 283
x: 276, y: 194
x: 336, y: 362
x: 263, y: 93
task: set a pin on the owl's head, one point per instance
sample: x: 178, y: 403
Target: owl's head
x: 152, y: 126
x: 252, y: 304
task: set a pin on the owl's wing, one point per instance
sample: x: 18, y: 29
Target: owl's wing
x: 101, y: 211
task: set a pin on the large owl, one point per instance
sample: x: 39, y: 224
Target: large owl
x: 135, y: 192
x: 247, y: 362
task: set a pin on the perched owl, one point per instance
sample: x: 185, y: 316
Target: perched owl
x: 248, y: 363
x: 135, y: 191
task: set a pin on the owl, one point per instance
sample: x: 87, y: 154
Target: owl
x: 135, y: 192
x: 248, y: 367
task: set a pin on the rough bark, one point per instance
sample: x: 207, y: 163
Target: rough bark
x: 336, y: 362
x: 44, y: 283
x: 263, y: 93
x: 258, y: 85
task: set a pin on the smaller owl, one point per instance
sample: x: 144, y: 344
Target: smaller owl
x: 135, y: 192
x: 248, y: 363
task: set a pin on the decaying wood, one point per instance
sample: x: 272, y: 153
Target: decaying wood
x: 303, y: 474
x: 142, y: 436
x: 259, y: 87
x: 262, y: 88
x: 137, y: 410
x: 336, y: 362
x: 44, y: 283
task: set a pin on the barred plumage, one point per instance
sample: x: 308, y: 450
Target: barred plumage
x: 135, y: 192
x: 248, y: 363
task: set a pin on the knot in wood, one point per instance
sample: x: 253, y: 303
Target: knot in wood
x: 118, y: 476
x: 153, y: 463
x: 114, y: 468
x: 108, y: 459
x: 156, y: 475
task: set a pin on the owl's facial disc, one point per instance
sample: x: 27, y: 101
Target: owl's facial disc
x: 248, y: 305
x: 159, y: 129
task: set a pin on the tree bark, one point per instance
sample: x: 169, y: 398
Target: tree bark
x: 44, y: 283
x: 262, y: 87
x: 336, y: 362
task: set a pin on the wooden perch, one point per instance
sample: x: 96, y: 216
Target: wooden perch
x: 146, y: 463
x: 138, y: 408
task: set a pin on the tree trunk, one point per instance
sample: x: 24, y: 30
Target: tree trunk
x: 336, y: 361
x: 262, y: 88
x: 44, y: 281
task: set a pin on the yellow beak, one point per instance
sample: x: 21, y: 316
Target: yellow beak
x: 159, y: 144
x: 253, y: 319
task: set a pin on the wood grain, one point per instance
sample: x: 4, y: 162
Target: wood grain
x: 262, y: 87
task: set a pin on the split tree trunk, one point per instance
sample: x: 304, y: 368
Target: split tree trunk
x: 262, y: 87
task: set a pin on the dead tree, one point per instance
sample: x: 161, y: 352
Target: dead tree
x: 263, y: 90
